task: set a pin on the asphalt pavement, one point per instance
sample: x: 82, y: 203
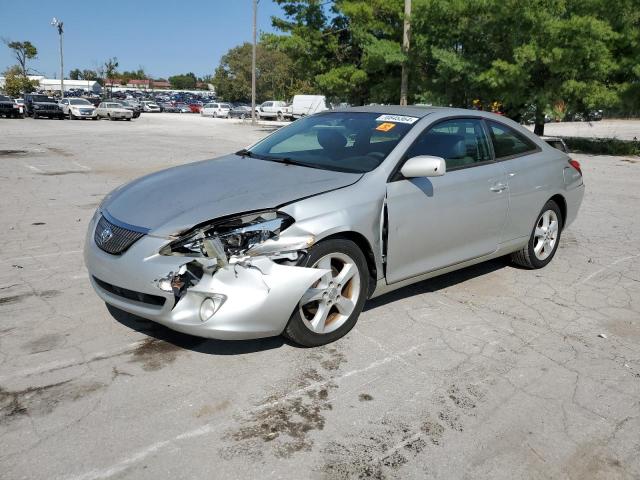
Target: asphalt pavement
x: 492, y: 372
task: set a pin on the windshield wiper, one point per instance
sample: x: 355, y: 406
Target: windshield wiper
x: 291, y: 161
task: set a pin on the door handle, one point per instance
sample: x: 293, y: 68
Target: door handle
x: 498, y: 187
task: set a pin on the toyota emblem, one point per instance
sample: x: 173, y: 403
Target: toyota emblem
x: 106, y: 235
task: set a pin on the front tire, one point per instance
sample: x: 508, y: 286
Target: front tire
x: 544, y: 239
x: 331, y: 307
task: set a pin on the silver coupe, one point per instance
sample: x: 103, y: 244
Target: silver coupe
x: 293, y: 234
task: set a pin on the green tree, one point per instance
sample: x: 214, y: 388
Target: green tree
x: 348, y: 49
x: 18, y: 75
x: 139, y: 74
x: 232, y: 78
x: 22, y: 51
x: 537, y: 55
x: 185, y: 81
x: 75, y: 74
x: 89, y: 75
x: 16, y: 83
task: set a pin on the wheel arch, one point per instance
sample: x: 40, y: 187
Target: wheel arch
x: 364, y: 245
x: 562, y: 205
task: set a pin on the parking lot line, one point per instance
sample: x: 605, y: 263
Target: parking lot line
x: 83, y: 167
x: 606, y: 267
x: 35, y: 169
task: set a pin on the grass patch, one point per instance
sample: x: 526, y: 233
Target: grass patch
x: 603, y: 146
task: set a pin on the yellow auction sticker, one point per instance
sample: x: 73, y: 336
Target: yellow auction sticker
x: 385, y: 127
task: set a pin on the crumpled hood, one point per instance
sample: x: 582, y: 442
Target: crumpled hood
x: 176, y: 199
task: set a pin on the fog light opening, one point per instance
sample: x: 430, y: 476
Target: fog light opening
x: 210, y: 306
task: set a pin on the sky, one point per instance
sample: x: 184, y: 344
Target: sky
x: 164, y: 37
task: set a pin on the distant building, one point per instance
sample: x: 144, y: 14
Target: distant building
x: 53, y: 84
x: 161, y: 84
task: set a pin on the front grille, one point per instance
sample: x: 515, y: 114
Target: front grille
x: 130, y: 294
x: 114, y: 239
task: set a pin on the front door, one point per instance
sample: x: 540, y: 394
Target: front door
x: 437, y: 222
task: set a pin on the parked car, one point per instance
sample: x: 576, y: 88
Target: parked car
x: 170, y: 108
x: 9, y: 108
x: 78, y: 108
x: 150, y: 107
x: 556, y: 142
x: 303, y: 105
x: 184, y: 108
x: 38, y: 105
x: 95, y: 101
x: 320, y: 215
x: 590, y: 116
x: 195, y: 107
x: 132, y: 105
x: 240, y: 111
x: 113, y: 111
x: 274, y: 109
x: 215, y: 110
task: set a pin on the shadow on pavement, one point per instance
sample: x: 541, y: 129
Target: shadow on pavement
x: 439, y: 283
x: 189, y: 342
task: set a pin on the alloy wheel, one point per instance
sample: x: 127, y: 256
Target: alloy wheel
x: 545, y: 235
x: 331, y: 300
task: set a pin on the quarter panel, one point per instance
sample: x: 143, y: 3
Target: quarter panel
x: 532, y: 179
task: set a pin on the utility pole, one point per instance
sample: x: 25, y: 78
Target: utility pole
x: 404, y: 80
x: 58, y: 24
x: 253, y: 65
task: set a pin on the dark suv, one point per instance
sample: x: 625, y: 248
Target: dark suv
x: 9, y: 108
x: 36, y: 105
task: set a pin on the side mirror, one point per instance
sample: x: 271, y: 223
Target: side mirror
x: 424, y: 166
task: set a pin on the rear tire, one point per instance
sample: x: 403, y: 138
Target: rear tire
x: 544, y: 240
x: 341, y: 299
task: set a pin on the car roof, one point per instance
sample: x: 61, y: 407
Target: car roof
x: 410, y: 110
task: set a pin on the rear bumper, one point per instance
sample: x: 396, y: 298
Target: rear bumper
x: 259, y: 298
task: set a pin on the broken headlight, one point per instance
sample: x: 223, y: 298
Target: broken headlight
x: 235, y: 236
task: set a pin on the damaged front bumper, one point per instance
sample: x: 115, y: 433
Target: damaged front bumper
x: 252, y: 298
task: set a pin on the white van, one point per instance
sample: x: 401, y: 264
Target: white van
x: 215, y: 110
x: 308, y: 105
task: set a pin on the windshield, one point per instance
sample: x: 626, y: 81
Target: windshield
x: 4, y: 99
x: 78, y: 101
x: 41, y: 98
x: 343, y: 141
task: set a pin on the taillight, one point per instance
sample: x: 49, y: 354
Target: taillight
x: 575, y: 164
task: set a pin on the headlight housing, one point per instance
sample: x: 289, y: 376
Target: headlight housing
x: 234, y: 235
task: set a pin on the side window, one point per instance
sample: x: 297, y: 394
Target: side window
x: 508, y: 142
x: 461, y: 142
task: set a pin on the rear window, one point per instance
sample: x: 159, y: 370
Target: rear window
x: 507, y: 142
x: 557, y: 144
